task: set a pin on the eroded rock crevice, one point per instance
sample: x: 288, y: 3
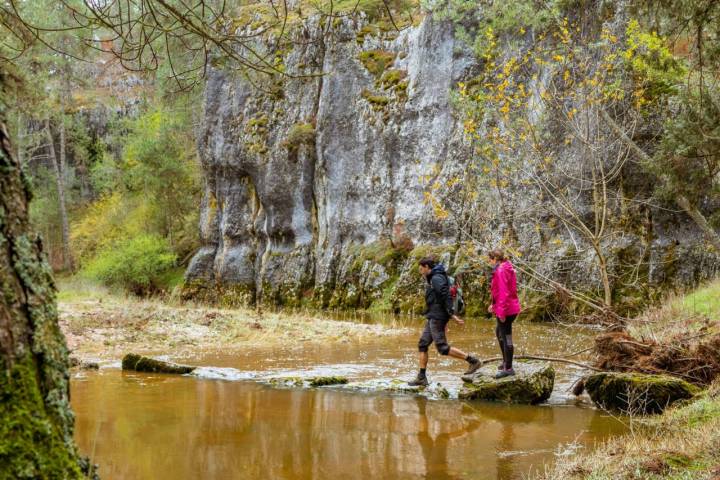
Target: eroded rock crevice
x: 316, y: 187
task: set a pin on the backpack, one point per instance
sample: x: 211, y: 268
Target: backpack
x: 456, y: 296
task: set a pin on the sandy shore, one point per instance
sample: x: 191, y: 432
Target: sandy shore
x: 107, y: 327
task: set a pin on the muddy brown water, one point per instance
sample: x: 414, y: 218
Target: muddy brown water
x: 144, y: 426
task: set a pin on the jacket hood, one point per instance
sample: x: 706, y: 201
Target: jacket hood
x: 507, y: 265
x: 437, y: 269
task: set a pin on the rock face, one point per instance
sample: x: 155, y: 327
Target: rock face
x: 138, y: 363
x: 636, y: 392
x: 316, y: 186
x: 532, y: 383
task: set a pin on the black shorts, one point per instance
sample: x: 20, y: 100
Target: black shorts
x: 434, y: 332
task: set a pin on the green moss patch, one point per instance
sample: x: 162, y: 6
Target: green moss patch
x: 31, y: 444
x: 324, y: 381
x: 376, y: 61
x: 381, y: 252
x: 637, y: 392
x: 139, y: 363
x: 378, y: 102
x: 300, y: 134
x: 313, y: 382
x: 226, y: 296
x: 533, y: 383
x: 392, y: 78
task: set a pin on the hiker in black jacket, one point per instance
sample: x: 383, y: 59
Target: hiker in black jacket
x: 439, y: 311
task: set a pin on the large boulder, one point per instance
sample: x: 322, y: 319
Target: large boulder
x: 138, y: 363
x: 637, y: 392
x: 532, y: 383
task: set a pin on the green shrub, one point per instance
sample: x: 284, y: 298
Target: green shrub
x: 139, y: 264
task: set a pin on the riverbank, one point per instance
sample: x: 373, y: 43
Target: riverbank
x: 683, y: 442
x: 100, y: 324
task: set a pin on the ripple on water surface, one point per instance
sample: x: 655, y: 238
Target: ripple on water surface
x: 225, y: 423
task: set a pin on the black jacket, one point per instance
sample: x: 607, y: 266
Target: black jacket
x: 439, y: 304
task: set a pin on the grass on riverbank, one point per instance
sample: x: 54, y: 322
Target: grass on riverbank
x: 684, y: 442
x: 696, y: 313
x: 104, y: 324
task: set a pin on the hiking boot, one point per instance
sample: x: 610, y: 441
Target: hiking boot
x: 474, y: 365
x: 505, y: 373
x: 501, y: 367
x: 420, y: 381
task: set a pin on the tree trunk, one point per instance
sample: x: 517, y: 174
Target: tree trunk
x: 20, y: 138
x: 606, y: 283
x: 604, y: 275
x: 36, y: 423
x: 680, y: 199
x: 700, y: 220
x: 59, y: 166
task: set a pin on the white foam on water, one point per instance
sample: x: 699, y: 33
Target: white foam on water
x: 331, y: 370
x: 223, y: 373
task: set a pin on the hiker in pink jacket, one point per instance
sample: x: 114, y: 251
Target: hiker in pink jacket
x: 505, y: 305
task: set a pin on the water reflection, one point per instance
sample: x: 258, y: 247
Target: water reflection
x: 149, y: 427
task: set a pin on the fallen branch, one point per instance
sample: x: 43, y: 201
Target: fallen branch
x: 584, y: 350
x: 546, y: 359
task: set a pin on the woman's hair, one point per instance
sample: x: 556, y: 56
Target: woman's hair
x: 497, y: 254
x: 427, y: 262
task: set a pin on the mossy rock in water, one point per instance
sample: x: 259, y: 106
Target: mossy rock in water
x: 637, y: 392
x: 398, y: 386
x: 308, y: 382
x: 286, y: 382
x: 138, y: 363
x: 322, y: 381
x: 532, y: 383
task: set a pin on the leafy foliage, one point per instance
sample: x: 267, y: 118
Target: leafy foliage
x: 137, y: 264
x: 689, y: 155
x: 152, y: 190
x: 657, y: 70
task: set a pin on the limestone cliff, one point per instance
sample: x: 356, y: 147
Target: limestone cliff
x: 315, y: 186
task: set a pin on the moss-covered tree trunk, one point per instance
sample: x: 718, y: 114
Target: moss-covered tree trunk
x: 36, y: 423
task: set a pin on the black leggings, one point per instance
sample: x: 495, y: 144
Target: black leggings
x: 503, y: 332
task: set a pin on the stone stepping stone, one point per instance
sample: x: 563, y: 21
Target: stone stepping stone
x: 532, y: 383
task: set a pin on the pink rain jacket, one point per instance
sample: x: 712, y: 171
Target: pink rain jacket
x: 503, y: 289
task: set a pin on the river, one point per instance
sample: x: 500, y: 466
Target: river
x: 151, y: 426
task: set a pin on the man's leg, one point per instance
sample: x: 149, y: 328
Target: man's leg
x: 423, y: 344
x: 437, y: 329
x: 457, y: 353
x: 423, y: 357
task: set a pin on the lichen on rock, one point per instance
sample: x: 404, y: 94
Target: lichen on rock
x: 319, y: 381
x: 637, y: 393
x: 533, y: 383
x: 139, y: 363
